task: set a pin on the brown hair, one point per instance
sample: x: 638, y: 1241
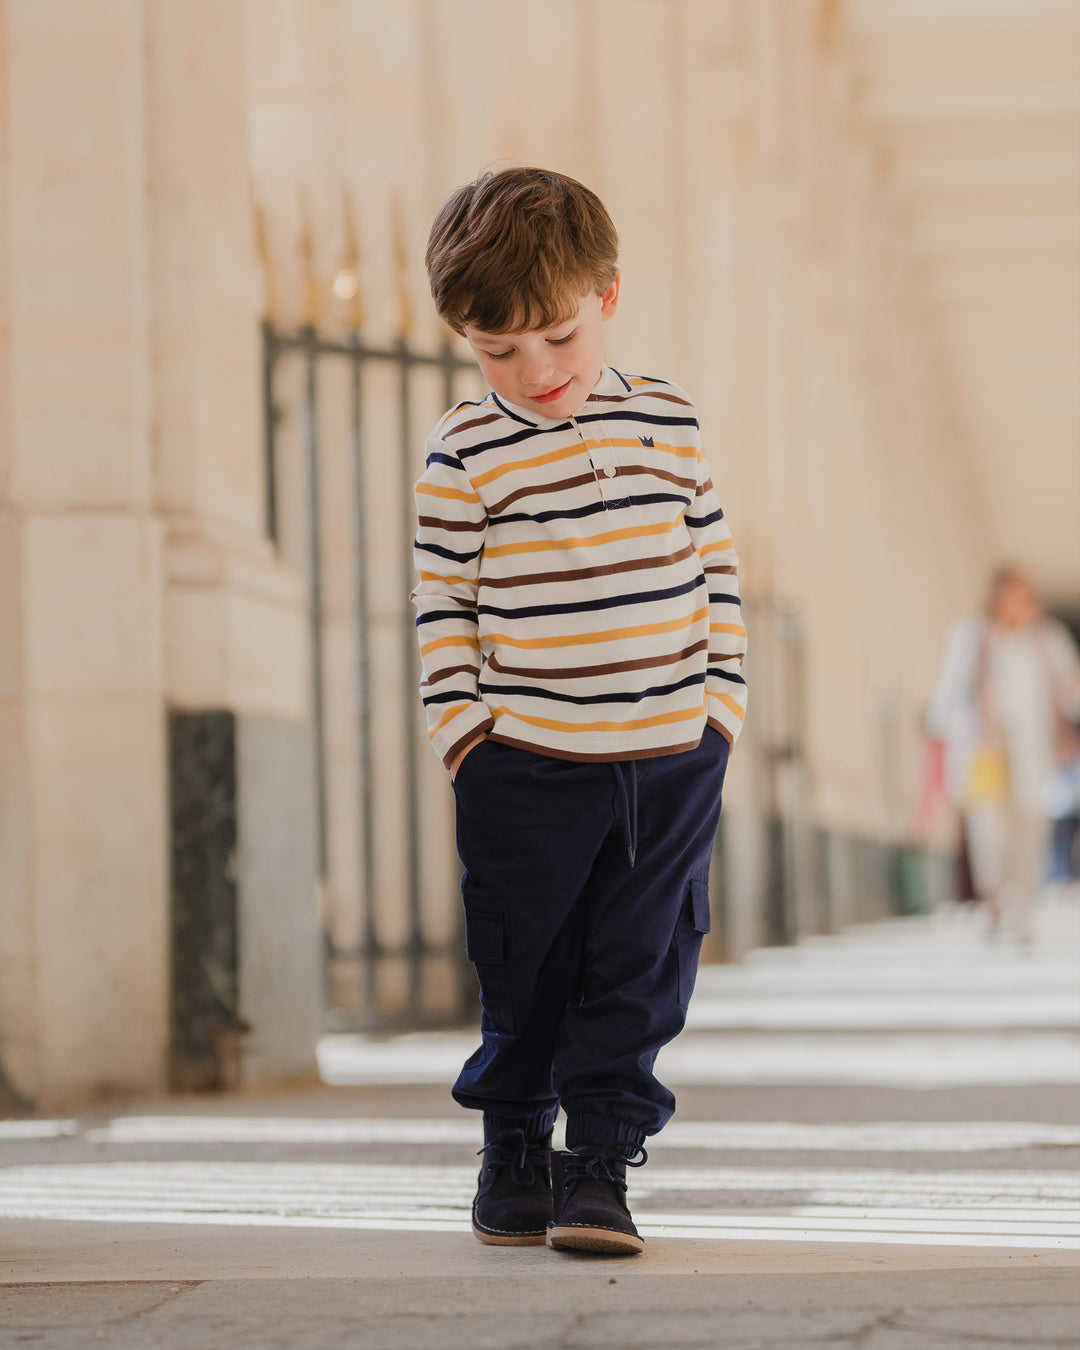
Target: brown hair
x: 517, y: 249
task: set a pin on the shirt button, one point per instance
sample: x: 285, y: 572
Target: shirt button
x: 610, y: 471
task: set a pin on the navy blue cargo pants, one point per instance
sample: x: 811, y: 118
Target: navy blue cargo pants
x: 586, y: 898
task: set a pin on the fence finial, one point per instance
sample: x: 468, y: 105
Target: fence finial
x: 347, y: 281
x: 261, y: 231
x: 401, y: 270
x: 310, y: 306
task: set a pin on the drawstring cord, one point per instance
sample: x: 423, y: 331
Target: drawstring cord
x: 628, y: 803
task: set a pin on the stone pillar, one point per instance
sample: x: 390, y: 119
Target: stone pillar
x: 83, y: 880
x: 157, y: 873
x: 245, y: 971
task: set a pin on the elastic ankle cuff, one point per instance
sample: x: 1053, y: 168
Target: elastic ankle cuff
x: 606, y: 1132
x: 536, y: 1127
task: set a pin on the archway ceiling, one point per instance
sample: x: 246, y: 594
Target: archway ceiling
x: 976, y: 104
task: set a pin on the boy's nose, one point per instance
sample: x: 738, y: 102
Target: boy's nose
x: 537, y: 373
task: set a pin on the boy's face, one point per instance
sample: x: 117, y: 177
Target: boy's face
x: 551, y: 371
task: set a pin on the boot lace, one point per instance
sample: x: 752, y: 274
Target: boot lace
x: 523, y: 1156
x: 580, y: 1167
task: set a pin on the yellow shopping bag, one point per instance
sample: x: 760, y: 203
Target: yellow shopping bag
x: 988, y: 777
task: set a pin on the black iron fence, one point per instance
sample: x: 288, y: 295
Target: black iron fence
x: 333, y: 408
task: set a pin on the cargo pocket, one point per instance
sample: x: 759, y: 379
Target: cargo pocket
x: 485, y: 946
x: 693, y: 924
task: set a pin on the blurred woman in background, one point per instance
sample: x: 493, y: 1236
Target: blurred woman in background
x: 1006, y: 706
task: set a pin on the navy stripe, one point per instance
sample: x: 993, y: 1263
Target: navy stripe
x: 451, y: 696
x: 720, y: 599
x: 515, y: 439
x: 625, y: 381
x: 542, y: 517
x: 447, y: 553
x: 585, y: 606
x: 728, y: 675
x: 507, y: 411
x: 469, y: 615
x: 658, y: 691
x: 699, y: 522
x: 654, y: 418
x: 436, y: 458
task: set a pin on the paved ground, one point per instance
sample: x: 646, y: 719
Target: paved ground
x: 876, y: 1149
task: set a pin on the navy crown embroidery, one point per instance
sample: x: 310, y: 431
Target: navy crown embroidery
x: 646, y: 440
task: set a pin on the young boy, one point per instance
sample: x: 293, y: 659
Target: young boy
x: 579, y: 628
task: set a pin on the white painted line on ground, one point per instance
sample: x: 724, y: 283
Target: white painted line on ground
x: 776, y: 1011
x: 915, y: 1060
x: 37, y: 1129
x: 430, y: 1199
x: 872, y: 1137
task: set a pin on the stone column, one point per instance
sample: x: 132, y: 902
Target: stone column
x: 83, y: 876
x: 157, y: 873
x: 245, y: 957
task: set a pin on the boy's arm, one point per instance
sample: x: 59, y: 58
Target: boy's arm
x: 449, y: 544
x: 725, y: 688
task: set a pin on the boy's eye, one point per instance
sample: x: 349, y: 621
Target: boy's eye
x: 554, y: 342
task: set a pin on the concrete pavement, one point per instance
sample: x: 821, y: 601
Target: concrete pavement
x: 876, y: 1148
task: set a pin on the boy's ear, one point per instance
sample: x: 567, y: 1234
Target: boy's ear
x: 610, y: 299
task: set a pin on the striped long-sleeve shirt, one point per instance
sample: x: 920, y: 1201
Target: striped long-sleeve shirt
x: 578, y: 592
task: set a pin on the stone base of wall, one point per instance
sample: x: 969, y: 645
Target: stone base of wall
x: 246, y: 966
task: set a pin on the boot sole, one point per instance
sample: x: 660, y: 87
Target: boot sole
x: 509, y: 1239
x: 605, y: 1240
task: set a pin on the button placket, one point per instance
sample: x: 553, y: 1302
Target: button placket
x: 604, y: 465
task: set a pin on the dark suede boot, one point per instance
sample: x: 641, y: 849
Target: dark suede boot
x: 589, y: 1200
x: 513, y: 1201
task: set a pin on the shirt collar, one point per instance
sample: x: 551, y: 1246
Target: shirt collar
x: 610, y: 385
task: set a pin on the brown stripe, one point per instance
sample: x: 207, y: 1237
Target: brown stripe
x: 722, y: 571
x: 452, y: 753
x: 538, y: 489
x: 497, y: 508
x: 584, y: 672
x: 444, y: 674
x: 639, y: 393
x: 727, y: 656
x: 476, y: 422
x: 719, y: 726
x: 686, y: 483
x: 585, y: 573
x: 656, y: 753
x: 434, y: 523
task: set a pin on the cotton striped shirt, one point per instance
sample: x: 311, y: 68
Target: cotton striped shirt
x: 578, y: 593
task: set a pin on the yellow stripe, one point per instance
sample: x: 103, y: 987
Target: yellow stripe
x: 612, y: 536
x: 567, y: 452
x: 451, y: 494
x: 661, y: 719
x: 729, y: 702
x: 735, y: 628
x: 586, y: 639
x: 618, y: 443
x: 460, y: 641
x: 720, y: 547
x: 448, y: 581
x: 448, y: 716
